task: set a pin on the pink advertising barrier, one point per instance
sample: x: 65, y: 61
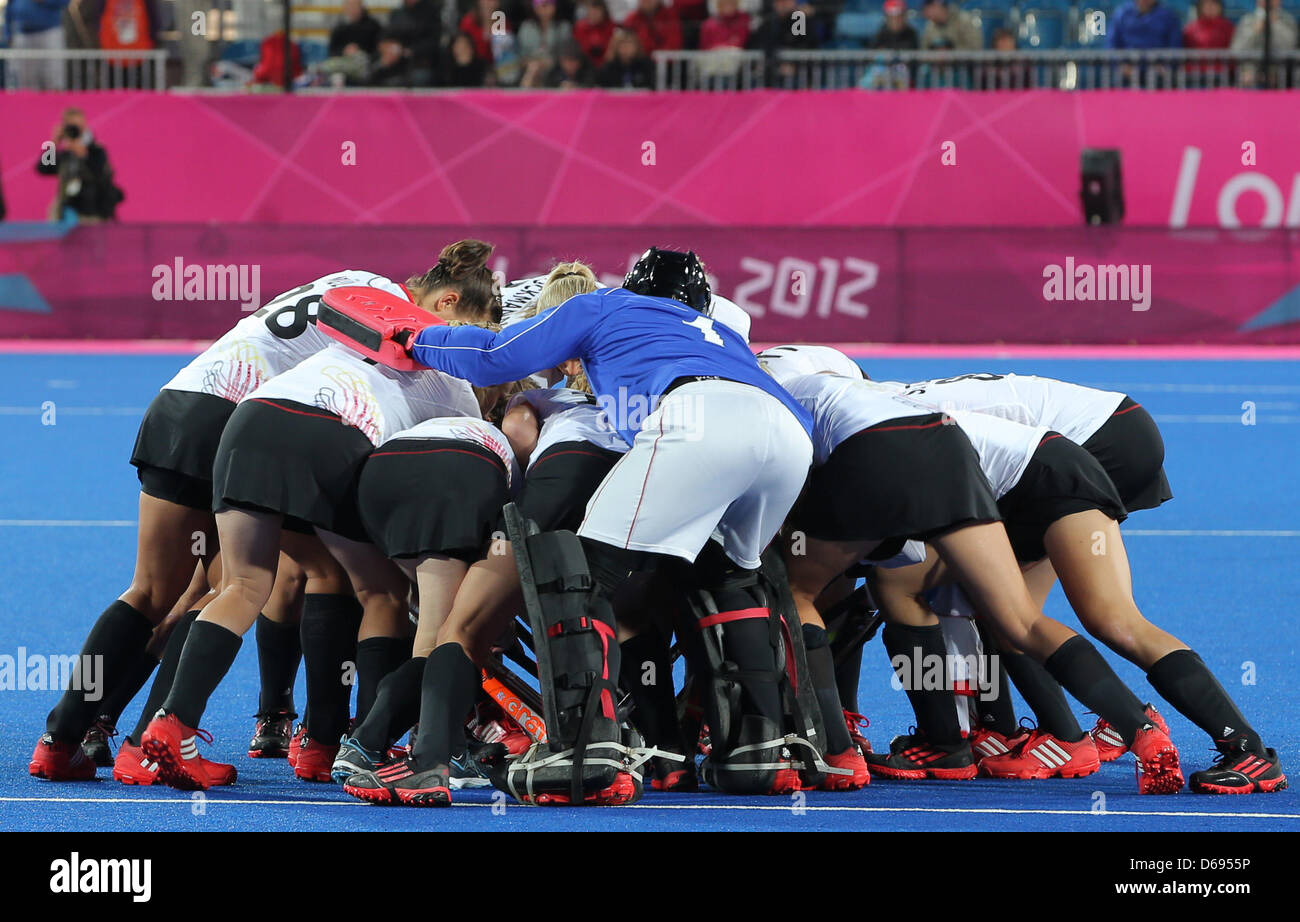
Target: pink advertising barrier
x: 848, y: 158
x: 953, y: 286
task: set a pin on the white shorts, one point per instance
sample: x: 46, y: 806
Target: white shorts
x: 715, y: 459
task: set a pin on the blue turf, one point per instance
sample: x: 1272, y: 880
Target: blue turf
x: 1229, y: 597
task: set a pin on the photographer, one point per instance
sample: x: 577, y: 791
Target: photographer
x: 86, y: 186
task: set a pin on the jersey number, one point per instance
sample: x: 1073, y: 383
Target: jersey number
x: 705, y: 326
x: 289, y: 321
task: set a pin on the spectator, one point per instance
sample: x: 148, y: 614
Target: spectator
x: 393, y: 69
x: 572, y: 70
x: 594, y: 29
x: 478, y: 24
x: 948, y: 27
x: 1004, y: 40
x: 1141, y: 24
x: 627, y: 67
x: 897, y: 33
x: 787, y: 27
x: 1210, y: 28
x: 728, y: 27
x: 417, y: 24
x: 86, y: 190
x: 270, y: 60
x: 356, y: 31
x: 37, y: 25
x: 656, y: 26
x: 1249, y: 35
x: 542, y: 35
x: 463, y: 65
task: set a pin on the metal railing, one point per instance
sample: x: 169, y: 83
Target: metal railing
x: 1165, y: 69
x: 82, y: 69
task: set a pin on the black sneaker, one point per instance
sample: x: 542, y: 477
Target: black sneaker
x: 671, y: 775
x: 353, y: 759
x: 1238, y: 770
x: 95, y: 744
x: 403, y: 783
x: 914, y: 758
x: 271, y: 738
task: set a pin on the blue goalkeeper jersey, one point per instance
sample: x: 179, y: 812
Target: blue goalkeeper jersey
x: 631, y: 346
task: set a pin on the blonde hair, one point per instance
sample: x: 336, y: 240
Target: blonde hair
x: 565, y: 281
x: 499, y: 395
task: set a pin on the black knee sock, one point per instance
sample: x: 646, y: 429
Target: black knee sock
x: 162, y: 683
x: 1080, y: 669
x: 396, y: 707
x: 447, y: 692
x: 115, y: 702
x: 376, y: 658
x: 913, y: 651
x: 1184, y: 680
x: 821, y: 666
x: 848, y: 675
x: 107, y: 656
x: 278, y: 653
x: 209, y: 653
x: 329, y: 652
x: 647, y: 675
x: 1044, y: 696
x: 994, y: 704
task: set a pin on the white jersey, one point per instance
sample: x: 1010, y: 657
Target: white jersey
x: 1005, y: 447
x: 468, y: 429
x: 270, y: 341
x: 790, y: 361
x: 842, y: 407
x: 730, y: 314
x: 375, y: 399
x: 518, y: 296
x: 568, y: 415
x: 1070, y: 409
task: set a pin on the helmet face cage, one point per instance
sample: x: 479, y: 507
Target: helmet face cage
x: 671, y: 274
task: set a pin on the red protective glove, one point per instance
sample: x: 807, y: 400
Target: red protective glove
x: 379, y: 325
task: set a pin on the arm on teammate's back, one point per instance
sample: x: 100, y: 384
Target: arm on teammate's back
x: 484, y: 358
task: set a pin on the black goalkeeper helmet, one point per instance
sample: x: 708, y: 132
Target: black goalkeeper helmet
x: 671, y: 274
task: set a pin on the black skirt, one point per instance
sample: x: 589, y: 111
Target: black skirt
x: 1131, y: 451
x: 561, y: 481
x: 913, y: 477
x: 300, y: 461
x: 1061, y: 479
x: 176, y: 446
x: 432, y: 496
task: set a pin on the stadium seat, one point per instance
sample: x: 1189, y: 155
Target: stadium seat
x: 1003, y: 6
x: 862, y: 6
x: 990, y: 20
x: 313, y: 52
x: 245, y: 52
x: 854, y: 30
x: 1042, y: 30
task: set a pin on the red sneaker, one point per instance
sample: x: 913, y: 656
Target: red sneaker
x: 295, y: 744
x: 132, y: 766
x: 624, y: 790
x: 314, y: 760
x: 1158, y: 771
x: 849, y: 759
x: 1110, y: 745
x: 856, y: 724
x: 986, y: 743
x: 219, y: 773
x: 491, y: 724
x: 1041, y: 755
x: 914, y: 758
x: 172, y: 745
x: 60, y: 761
x: 1238, y: 770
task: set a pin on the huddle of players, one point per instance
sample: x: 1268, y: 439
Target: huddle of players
x: 949, y: 488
